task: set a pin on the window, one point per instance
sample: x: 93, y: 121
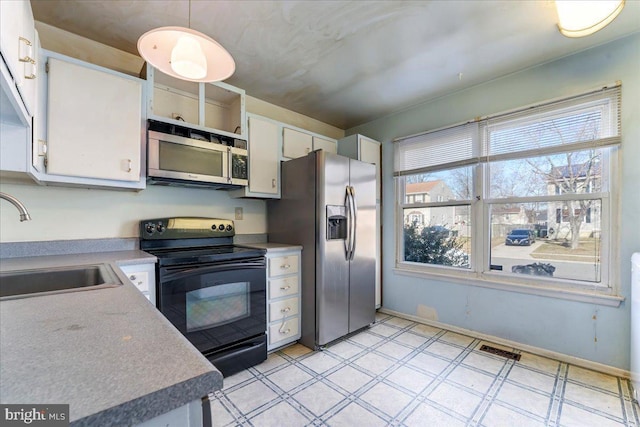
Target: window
x: 523, y: 197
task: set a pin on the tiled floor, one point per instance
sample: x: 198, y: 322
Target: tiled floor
x: 402, y: 373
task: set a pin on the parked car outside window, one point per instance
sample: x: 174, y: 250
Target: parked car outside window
x: 521, y: 237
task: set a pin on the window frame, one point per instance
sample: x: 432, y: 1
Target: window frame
x: 605, y: 292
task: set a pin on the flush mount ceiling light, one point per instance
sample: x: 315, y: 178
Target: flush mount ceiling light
x: 186, y: 54
x: 578, y: 18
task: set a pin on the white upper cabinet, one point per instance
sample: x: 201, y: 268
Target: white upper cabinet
x: 264, y: 159
x: 19, y: 48
x: 296, y: 143
x: 264, y: 163
x: 271, y: 142
x: 328, y: 145
x: 94, y: 129
x: 214, y: 107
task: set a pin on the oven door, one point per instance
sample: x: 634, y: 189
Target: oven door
x: 215, y: 305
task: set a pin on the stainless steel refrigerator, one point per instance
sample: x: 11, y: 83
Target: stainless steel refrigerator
x: 328, y: 205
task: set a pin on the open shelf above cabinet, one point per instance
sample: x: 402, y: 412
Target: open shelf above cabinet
x: 214, y: 107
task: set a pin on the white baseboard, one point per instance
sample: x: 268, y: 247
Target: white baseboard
x: 583, y: 363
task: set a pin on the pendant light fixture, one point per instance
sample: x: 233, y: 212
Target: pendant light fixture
x: 186, y: 54
x: 579, y: 18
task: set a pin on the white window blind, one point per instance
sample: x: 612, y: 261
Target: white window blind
x: 452, y: 147
x: 572, y: 124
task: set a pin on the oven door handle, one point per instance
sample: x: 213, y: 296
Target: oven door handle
x: 176, y: 273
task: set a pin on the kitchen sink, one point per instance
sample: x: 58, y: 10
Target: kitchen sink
x: 45, y: 281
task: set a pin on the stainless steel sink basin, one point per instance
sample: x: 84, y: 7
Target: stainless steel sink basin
x: 27, y: 283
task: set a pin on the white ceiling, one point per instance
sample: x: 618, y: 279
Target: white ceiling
x: 348, y: 62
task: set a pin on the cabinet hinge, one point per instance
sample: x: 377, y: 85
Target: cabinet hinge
x: 46, y: 67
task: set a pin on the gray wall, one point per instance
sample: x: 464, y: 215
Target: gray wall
x: 558, y: 325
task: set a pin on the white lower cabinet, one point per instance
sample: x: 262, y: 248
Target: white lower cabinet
x: 283, y: 296
x: 143, y: 276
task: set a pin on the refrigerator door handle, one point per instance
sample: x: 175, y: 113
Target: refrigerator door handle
x: 347, y: 242
x: 354, y: 227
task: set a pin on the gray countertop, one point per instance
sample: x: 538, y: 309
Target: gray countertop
x: 274, y: 247
x: 108, y: 353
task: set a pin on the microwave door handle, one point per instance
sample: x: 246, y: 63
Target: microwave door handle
x: 176, y: 273
x: 229, y: 165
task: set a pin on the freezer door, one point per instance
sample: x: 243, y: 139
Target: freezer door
x: 332, y: 268
x: 362, y: 271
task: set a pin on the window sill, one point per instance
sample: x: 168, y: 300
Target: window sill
x: 488, y: 280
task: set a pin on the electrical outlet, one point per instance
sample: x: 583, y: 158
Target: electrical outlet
x: 238, y: 214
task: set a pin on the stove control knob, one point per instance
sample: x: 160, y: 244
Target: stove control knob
x: 221, y: 227
x: 229, y: 227
x: 160, y: 228
x: 214, y: 227
x: 150, y: 228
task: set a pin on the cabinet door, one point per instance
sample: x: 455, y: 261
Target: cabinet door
x: 94, y: 123
x: 18, y: 45
x: 295, y: 143
x: 264, y: 162
x: 325, y: 144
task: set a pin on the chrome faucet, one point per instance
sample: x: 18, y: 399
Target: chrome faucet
x: 24, y: 214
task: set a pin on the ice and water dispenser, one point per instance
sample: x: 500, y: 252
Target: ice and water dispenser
x: 336, y: 222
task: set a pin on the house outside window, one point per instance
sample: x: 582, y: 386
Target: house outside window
x: 543, y: 169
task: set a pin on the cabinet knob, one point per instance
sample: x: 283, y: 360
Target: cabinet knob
x: 132, y: 277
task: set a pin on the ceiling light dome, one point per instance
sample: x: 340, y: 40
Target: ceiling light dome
x: 187, y: 58
x: 579, y: 18
x: 186, y: 54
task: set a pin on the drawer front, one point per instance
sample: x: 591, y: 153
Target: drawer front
x: 287, y: 264
x: 281, y: 331
x: 283, y: 287
x: 284, y: 308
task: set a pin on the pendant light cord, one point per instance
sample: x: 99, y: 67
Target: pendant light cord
x: 189, y: 14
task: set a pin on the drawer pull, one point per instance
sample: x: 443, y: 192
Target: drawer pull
x: 285, y: 266
x: 285, y: 310
x: 285, y: 332
x: 285, y: 288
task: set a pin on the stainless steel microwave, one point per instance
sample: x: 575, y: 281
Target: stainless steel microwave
x: 178, y: 160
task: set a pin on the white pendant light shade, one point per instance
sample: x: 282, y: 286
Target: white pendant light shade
x: 579, y: 18
x: 187, y: 59
x: 186, y: 54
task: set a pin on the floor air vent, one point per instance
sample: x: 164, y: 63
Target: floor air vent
x: 500, y: 352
